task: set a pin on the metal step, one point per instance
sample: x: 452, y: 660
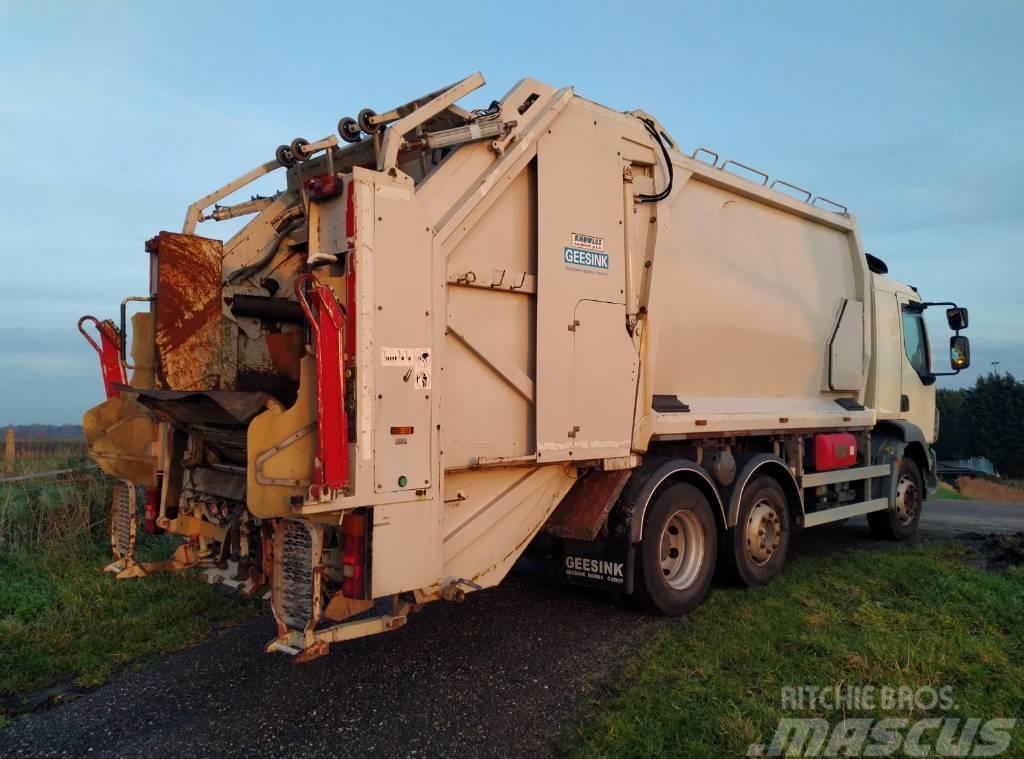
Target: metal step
x: 845, y: 475
x: 845, y: 512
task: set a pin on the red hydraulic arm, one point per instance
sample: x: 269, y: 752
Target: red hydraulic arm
x: 109, y: 351
x: 327, y: 322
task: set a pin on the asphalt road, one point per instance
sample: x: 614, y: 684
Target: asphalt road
x: 500, y: 675
x: 952, y: 518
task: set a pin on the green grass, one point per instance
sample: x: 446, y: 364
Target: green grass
x: 946, y: 493
x: 62, y: 618
x: 710, y: 685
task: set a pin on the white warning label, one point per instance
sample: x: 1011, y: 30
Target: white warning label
x: 422, y: 368
x: 396, y: 356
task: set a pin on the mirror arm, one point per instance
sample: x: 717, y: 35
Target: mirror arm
x: 920, y: 307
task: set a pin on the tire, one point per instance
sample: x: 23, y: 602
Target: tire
x: 759, y: 543
x: 298, y: 148
x: 363, y: 120
x: 348, y: 130
x: 900, y: 523
x: 678, y: 550
x: 284, y: 156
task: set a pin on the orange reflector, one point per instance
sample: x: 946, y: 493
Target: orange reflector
x: 401, y: 430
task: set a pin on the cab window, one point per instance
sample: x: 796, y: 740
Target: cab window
x: 915, y: 343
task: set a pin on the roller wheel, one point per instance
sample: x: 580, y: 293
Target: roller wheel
x: 284, y: 156
x: 348, y: 130
x: 364, y: 120
x: 298, y: 148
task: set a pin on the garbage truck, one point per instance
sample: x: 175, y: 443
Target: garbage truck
x: 453, y: 334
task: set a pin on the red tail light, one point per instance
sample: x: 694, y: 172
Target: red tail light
x: 324, y: 187
x: 353, y: 554
x: 151, y: 511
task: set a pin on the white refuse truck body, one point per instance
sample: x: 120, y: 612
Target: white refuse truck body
x: 539, y: 323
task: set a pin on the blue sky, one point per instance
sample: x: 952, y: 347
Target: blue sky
x: 114, y: 116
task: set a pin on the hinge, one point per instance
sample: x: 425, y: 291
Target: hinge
x: 574, y: 430
x: 574, y: 325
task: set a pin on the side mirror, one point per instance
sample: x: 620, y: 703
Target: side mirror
x: 959, y: 350
x: 956, y: 318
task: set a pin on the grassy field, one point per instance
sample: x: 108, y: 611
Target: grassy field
x: 711, y: 684
x: 62, y: 620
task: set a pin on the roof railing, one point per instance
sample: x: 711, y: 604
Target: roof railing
x: 807, y: 196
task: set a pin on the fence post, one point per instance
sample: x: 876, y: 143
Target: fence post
x: 9, y: 449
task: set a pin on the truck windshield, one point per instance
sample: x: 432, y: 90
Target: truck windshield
x: 915, y: 343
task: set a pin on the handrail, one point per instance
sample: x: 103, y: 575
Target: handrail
x: 698, y: 151
x: 300, y: 295
x: 807, y: 193
x: 751, y: 169
x: 124, y: 324
x: 99, y: 328
x: 830, y: 202
x: 808, y: 196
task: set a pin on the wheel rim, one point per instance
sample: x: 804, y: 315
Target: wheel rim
x: 908, y: 499
x: 763, y: 532
x: 682, y: 549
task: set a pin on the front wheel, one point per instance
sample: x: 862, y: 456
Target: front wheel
x: 678, y: 550
x: 901, y: 522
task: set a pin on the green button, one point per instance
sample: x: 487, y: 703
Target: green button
x: 403, y: 481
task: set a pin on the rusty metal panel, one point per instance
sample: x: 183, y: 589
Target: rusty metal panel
x: 585, y: 506
x: 188, y: 311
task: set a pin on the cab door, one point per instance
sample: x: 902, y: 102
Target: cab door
x: 917, y: 391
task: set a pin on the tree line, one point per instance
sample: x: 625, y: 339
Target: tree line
x: 984, y: 420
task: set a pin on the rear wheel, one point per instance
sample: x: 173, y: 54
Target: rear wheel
x: 678, y: 550
x: 900, y: 522
x: 760, y: 539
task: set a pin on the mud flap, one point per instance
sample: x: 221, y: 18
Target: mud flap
x: 606, y: 564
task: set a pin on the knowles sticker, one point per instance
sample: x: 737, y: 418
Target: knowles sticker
x: 587, y: 242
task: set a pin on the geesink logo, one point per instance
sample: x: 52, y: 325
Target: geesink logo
x: 588, y: 258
